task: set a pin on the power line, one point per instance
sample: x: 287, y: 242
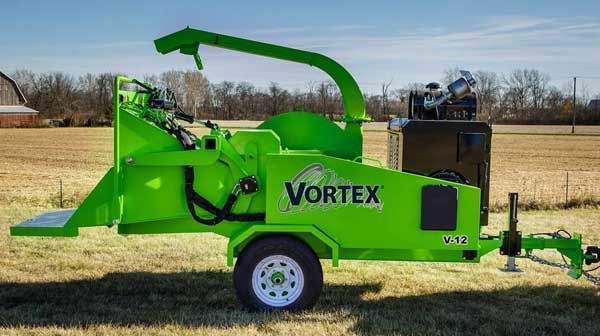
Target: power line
x: 574, y: 98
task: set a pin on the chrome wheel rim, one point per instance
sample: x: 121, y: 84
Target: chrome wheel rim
x: 277, y: 280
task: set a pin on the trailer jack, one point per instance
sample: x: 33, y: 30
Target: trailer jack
x: 569, y: 246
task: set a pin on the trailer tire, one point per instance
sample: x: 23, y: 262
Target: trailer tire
x: 278, y: 273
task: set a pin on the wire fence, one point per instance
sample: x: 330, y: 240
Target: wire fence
x: 548, y: 189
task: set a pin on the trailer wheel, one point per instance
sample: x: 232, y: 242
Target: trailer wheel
x: 278, y: 273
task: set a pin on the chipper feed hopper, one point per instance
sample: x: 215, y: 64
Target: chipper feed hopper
x: 290, y: 192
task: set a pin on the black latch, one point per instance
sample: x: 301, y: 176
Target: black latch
x: 469, y: 254
x: 249, y: 184
x: 592, y: 255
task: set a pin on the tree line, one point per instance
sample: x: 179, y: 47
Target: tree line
x: 521, y: 96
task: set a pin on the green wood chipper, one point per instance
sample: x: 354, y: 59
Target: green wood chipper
x: 296, y: 189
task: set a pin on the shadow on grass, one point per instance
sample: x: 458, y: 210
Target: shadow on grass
x: 207, y: 299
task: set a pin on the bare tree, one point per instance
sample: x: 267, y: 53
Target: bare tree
x: 489, y: 89
x: 525, y: 92
x: 310, y: 97
x: 195, y: 89
x: 521, y: 96
x: 413, y: 86
x: 325, y: 94
x: 278, y: 98
x: 385, y: 104
x: 173, y: 79
x: 555, y: 105
x: 104, y: 83
x: 150, y: 78
x: 297, y: 100
x: 247, y: 101
x: 537, y: 83
x: 515, y: 95
x: 223, y: 100
x: 450, y: 75
x: 373, y: 106
x: 26, y: 79
x: 56, y: 94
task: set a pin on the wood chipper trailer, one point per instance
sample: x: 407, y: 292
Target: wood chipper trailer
x: 286, y: 194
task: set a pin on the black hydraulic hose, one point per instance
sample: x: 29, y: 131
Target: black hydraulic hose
x: 188, y: 141
x: 193, y: 198
x: 220, y: 216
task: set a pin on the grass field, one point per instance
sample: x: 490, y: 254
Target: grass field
x: 512, y: 129
x: 535, y: 165
x: 103, y: 283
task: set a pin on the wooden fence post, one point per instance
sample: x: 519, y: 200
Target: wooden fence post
x: 61, y: 194
x: 567, y: 190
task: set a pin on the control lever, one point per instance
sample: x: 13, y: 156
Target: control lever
x: 184, y: 116
x: 189, y: 118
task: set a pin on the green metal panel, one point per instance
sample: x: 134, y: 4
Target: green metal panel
x: 47, y: 224
x: 247, y: 235
x: 94, y: 211
x: 387, y: 230
x: 256, y: 145
x: 310, y: 131
x: 151, y: 164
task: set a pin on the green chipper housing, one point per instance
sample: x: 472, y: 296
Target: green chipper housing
x: 290, y: 192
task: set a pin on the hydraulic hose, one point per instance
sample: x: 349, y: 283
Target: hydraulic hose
x: 193, y: 198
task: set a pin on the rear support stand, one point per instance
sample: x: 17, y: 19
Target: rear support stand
x: 511, y: 239
x: 511, y: 265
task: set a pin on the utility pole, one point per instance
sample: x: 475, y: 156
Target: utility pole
x: 574, y: 95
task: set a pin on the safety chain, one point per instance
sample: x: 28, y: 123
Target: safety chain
x: 547, y: 262
x: 593, y: 279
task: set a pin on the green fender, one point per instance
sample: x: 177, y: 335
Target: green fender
x: 308, y: 233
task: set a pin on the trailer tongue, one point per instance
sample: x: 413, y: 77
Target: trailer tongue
x: 295, y: 189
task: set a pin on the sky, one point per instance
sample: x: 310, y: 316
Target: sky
x: 377, y: 41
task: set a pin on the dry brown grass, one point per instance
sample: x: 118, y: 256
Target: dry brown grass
x: 381, y: 126
x: 534, y: 165
x: 103, y: 283
x: 547, y: 129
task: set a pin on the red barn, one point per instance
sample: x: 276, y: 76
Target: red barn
x: 13, y: 112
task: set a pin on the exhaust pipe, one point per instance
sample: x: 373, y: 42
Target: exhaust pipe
x: 456, y: 90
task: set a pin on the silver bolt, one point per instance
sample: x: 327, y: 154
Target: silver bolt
x: 116, y: 221
x: 129, y: 160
